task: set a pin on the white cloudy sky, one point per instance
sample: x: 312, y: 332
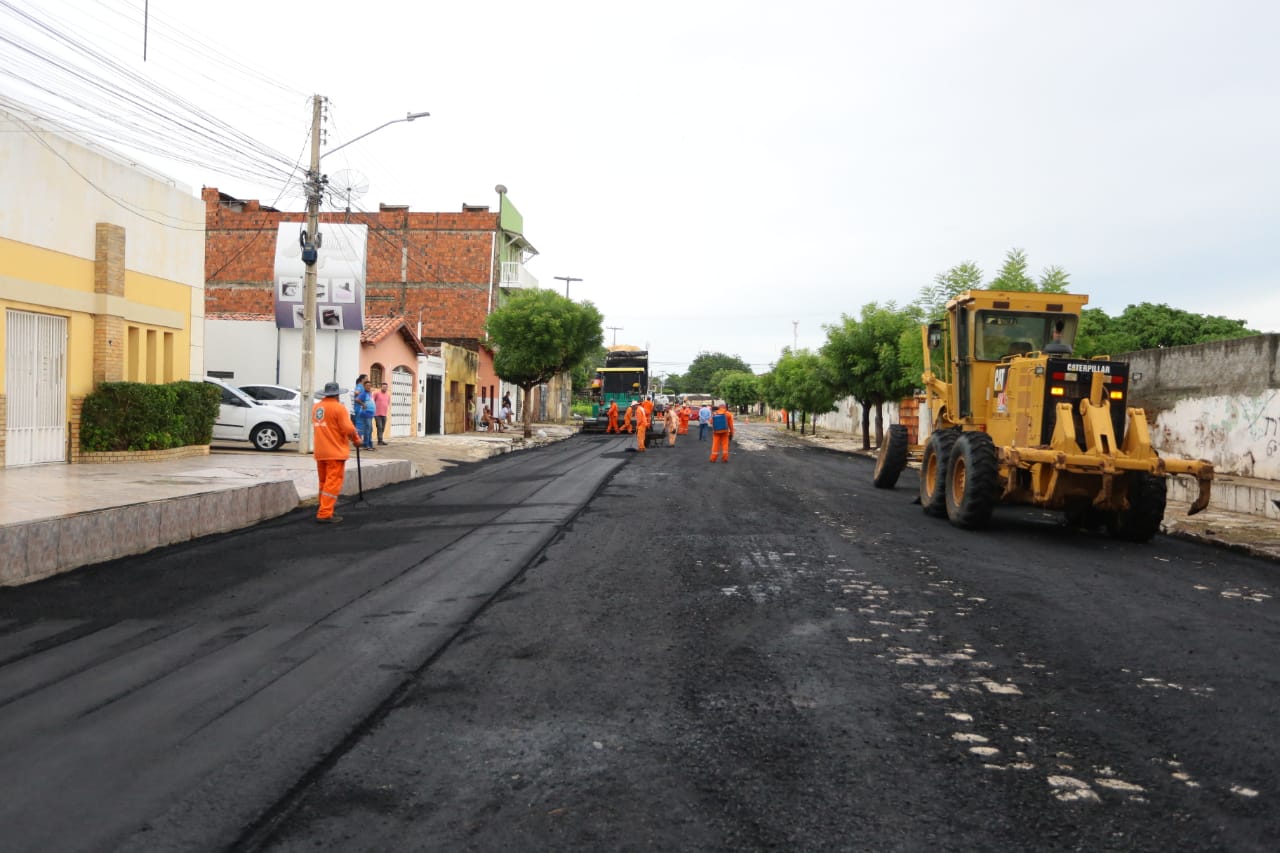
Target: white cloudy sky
x: 729, y: 176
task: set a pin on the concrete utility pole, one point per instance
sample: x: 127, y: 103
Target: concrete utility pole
x: 615, y: 330
x: 795, y: 335
x: 566, y: 279
x: 310, y: 253
x: 309, y: 249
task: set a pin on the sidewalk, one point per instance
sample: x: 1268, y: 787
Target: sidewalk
x: 59, y: 517
x: 1243, y: 513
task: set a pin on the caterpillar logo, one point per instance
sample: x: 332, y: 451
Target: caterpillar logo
x: 1089, y: 367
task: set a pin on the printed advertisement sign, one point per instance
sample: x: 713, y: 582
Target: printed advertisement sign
x: 340, y: 276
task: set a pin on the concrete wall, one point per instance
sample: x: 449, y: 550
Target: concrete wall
x: 255, y: 351
x: 1218, y: 401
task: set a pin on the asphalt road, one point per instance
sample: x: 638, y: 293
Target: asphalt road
x: 764, y: 655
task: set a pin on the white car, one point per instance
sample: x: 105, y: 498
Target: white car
x: 273, y: 395
x: 242, y: 418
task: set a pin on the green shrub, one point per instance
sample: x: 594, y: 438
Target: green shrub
x: 580, y: 408
x: 138, y: 416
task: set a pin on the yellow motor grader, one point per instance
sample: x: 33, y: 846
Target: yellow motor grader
x: 1014, y: 418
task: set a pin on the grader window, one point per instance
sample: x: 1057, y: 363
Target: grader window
x: 1005, y: 333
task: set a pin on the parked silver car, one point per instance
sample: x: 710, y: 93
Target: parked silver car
x: 273, y: 395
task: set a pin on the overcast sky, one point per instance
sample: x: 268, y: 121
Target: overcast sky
x: 730, y: 176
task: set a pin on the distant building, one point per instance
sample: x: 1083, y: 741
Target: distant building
x: 441, y: 273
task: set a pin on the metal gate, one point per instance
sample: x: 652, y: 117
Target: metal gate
x: 36, y: 383
x: 401, y: 402
x: 432, y: 410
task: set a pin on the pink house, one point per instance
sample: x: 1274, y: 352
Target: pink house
x: 389, y: 353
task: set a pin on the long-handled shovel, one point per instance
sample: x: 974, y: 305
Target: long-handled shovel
x: 359, y: 476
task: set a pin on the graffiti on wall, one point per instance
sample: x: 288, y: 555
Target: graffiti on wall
x: 1239, y: 434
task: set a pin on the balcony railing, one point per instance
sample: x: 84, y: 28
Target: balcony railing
x: 514, y: 274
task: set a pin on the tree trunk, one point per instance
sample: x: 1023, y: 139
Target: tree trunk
x: 879, y: 424
x: 866, y: 425
x: 526, y: 417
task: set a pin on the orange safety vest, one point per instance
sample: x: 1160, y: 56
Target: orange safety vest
x: 332, y: 429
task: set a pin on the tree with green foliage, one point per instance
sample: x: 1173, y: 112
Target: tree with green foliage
x: 801, y: 382
x: 932, y: 300
x: 1054, y: 279
x: 700, y: 377
x: 1149, y: 326
x: 1013, y: 274
x: 739, y: 389
x: 538, y: 334
x: 867, y: 362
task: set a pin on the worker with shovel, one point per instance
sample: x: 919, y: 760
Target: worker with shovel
x: 334, y: 432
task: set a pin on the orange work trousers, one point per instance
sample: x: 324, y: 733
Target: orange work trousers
x: 719, y: 441
x: 332, y: 472
x: 613, y: 424
x: 640, y: 436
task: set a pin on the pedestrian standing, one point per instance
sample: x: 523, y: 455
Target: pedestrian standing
x: 333, y: 434
x: 721, y: 431
x: 641, y: 417
x: 381, y: 408
x: 704, y: 421
x: 362, y: 411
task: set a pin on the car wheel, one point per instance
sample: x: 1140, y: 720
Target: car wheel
x: 266, y: 437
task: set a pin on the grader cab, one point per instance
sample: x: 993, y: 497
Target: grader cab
x: 1014, y: 418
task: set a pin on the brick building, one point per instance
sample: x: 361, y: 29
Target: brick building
x: 440, y: 272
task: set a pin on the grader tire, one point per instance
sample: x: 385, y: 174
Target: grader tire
x: 1141, y: 521
x: 933, y: 472
x: 892, y: 459
x: 973, y: 480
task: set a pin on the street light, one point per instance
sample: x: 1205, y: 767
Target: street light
x: 566, y: 279
x: 310, y: 253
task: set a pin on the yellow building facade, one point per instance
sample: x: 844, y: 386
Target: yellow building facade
x: 101, y: 280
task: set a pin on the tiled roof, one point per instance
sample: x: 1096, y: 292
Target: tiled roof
x: 379, y: 328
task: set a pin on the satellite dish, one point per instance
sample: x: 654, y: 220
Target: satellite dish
x: 347, y: 186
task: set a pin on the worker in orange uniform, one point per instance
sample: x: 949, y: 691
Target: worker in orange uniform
x: 721, y: 431
x: 683, y: 414
x: 613, y: 417
x: 673, y: 424
x: 334, y: 432
x: 648, y: 408
x: 626, y: 416
x: 642, y: 425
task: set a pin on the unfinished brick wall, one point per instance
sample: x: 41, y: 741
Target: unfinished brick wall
x: 439, y: 265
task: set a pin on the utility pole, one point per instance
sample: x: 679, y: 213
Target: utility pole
x: 615, y: 330
x: 566, y: 279
x: 795, y: 335
x: 309, y: 253
x: 311, y: 241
